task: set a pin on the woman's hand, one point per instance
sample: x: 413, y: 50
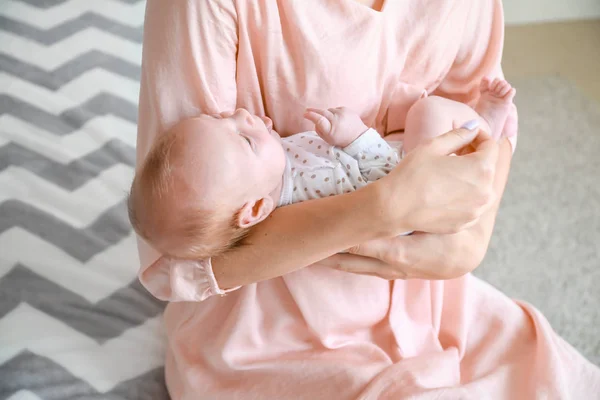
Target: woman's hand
x: 429, y: 255
x: 431, y: 191
x: 418, y: 256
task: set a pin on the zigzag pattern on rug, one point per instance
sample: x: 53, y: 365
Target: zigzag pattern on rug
x: 74, y: 320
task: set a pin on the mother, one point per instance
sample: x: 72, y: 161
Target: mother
x: 317, y: 331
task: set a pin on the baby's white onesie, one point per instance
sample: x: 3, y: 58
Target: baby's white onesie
x: 315, y: 169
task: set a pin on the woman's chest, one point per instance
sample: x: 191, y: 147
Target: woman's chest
x: 316, y: 53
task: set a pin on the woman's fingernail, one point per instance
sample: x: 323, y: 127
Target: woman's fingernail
x: 470, y: 125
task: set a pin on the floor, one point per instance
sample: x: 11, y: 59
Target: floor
x: 568, y: 49
x: 545, y: 248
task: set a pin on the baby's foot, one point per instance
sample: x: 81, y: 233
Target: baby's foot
x: 494, y: 103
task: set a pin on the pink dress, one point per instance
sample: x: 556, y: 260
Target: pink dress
x: 319, y: 333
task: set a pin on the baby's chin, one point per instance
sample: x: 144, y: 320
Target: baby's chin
x: 275, y: 135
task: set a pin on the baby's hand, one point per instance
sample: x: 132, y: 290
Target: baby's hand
x: 337, y: 126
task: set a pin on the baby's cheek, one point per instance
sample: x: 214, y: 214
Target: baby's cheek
x: 277, y: 153
x: 278, y: 163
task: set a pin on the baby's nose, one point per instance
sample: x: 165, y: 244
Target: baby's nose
x: 244, y: 115
x: 268, y: 122
x: 242, y: 112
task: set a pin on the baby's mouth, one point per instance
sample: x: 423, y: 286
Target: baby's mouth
x: 268, y: 123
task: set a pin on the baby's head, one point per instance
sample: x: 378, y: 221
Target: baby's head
x: 205, y: 182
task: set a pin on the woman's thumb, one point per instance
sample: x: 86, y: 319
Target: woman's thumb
x: 454, y: 140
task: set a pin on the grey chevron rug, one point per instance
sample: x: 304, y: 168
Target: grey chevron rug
x: 74, y: 321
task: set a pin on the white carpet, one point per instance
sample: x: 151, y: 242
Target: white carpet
x: 546, y: 246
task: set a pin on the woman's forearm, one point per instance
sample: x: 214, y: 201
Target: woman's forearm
x: 487, y: 221
x: 430, y: 255
x: 502, y: 171
x: 299, y: 235
x: 461, y: 253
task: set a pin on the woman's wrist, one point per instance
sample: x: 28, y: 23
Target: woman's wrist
x: 371, y: 205
x: 387, y: 219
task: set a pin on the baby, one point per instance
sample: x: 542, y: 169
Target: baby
x: 209, y: 179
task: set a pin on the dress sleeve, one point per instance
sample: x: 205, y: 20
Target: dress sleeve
x: 479, y: 55
x: 188, y: 68
x: 181, y: 280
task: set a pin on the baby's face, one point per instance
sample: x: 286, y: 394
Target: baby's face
x: 233, y: 158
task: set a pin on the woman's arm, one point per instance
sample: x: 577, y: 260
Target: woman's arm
x: 189, y: 67
x: 298, y: 235
x: 446, y: 192
x: 433, y: 256
x: 429, y: 255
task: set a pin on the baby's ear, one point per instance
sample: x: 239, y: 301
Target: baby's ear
x: 254, y: 212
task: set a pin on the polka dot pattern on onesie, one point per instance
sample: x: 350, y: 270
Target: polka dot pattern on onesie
x: 321, y: 170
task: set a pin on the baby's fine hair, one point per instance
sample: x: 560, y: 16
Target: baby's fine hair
x: 178, y: 231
